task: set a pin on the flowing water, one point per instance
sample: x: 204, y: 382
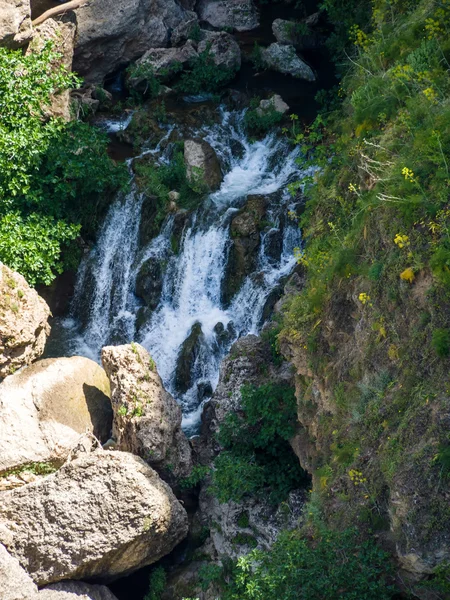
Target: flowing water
x: 105, y: 306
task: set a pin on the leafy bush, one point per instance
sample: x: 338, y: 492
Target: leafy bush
x: 441, y: 342
x: 204, y: 75
x: 258, y: 123
x: 257, y: 455
x: 335, y: 565
x: 157, y: 583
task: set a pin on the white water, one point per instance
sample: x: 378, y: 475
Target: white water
x: 105, y: 307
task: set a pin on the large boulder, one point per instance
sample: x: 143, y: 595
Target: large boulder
x: 149, y: 282
x: 62, y: 36
x: 202, y: 163
x: 189, y: 352
x: 47, y: 407
x: 240, y: 15
x: 23, y: 322
x: 284, y: 59
x: 223, y: 47
x: 147, y: 420
x: 15, y: 23
x: 274, y: 103
x: 111, y: 34
x: 185, y: 30
x: 101, y: 516
x: 16, y: 584
x: 166, y: 60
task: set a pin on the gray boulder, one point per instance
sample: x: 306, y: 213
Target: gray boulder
x: 284, y: 59
x: 111, y: 34
x: 147, y: 420
x: 167, y: 60
x: 46, y: 408
x: 240, y: 15
x: 103, y: 515
x: 182, y: 33
x: 202, y: 163
x: 276, y: 103
x: 23, y: 322
x: 15, y: 23
x: 223, y: 47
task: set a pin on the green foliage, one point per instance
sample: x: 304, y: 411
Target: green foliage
x: 441, y: 342
x: 207, y: 574
x: 157, y: 583
x: 257, y: 57
x: 260, y: 122
x: 52, y: 174
x: 335, y: 565
x: 257, y: 455
x: 204, y: 75
x: 198, y: 474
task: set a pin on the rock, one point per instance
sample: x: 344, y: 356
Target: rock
x: 103, y: 515
x: 276, y: 103
x: 223, y: 48
x: 147, y: 420
x: 185, y: 29
x: 105, y: 44
x: 165, y: 60
x: 23, y: 322
x: 240, y: 15
x: 284, y: 59
x: 189, y: 352
x: 75, y: 590
x: 284, y: 31
x: 243, y: 254
x: 47, y: 407
x: 15, y: 583
x: 251, y: 523
x: 62, y: 35
x: 296, y: 34
x: 15, y: 23
x: 174, y: 196
x: 149, y: 282
x: 202, y: 163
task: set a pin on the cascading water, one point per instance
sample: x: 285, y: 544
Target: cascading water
x: 105, y: 306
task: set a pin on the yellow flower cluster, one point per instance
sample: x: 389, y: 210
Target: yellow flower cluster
x: 364, y: 298
x: 408, y: 174
x: 402, y: 241
x: 359, y: 38
x: 407, y: 275
x: 352, y: 188
x: 430, y: 94
x: 356, y: 477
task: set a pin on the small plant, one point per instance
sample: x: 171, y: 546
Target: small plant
x: 204, y: 75
x: 123, y: 410
x: 441, y: 342
x: 198, y: 474
x: 157, y: 584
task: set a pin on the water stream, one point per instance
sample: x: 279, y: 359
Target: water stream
x: 105, y: 305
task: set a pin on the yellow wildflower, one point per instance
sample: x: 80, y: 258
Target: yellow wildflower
x: 407, y: 275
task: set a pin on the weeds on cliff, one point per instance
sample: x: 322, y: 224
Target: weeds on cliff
x: 197, y: 476
x: 157, y: 584
x: 257, y: 457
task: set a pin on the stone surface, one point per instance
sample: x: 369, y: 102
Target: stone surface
x: 166, y: 60
x: 189, y: 352
x: 223, y: 48
x: 23, y: 322
x: 185, y: 29
x: 202, y: 163
x: 147, y: 420
x: 15, y: 583
x: 149, y: 282
x: 15, y: 23
x: 75, y: 590
x: 47, y: 407
x: 276, y: 103
x: 240, y: 15
x: 62, y: 35
x: 284, y: 59
x: 103, y: 515
x: 110, y: 34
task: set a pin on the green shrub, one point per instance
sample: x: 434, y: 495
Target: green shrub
x: 441, y: 342
x: 157, y: 583
x: 198, y: 474
x: 204, y: 76
x: 258, y: 124
x: 334, y: 565
x: 257, y: 455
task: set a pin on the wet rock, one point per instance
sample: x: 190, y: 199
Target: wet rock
x: 179, y: 224
x: 274, y: 244
x: 149, y: 282
x: 202, y: 163
x: 23, y: 322
x: 103, y: 515
x: 242, y: 257
x: 186, y: 358
x: 284, y: 59
x: 62, y: 36
x: 148, y: 228
x: 240, y: 15
x: 223, y: 48
x: 275, y: 103
x: 130, y: 29
x: 46, y: 408
x: 15, y: 23
x: 147, y: 420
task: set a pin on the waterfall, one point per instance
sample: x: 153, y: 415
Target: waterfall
x: 105, y: 306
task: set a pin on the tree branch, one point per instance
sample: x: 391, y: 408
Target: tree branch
x: 58, y: 10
